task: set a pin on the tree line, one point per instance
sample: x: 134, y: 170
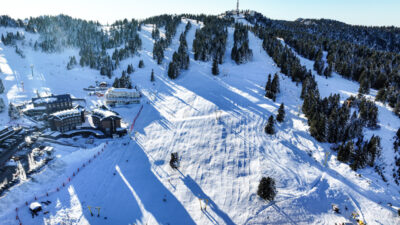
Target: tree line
x: 241, y: 52
x: 180, y: 59
x: 329, y: 120
x: 210, y: 41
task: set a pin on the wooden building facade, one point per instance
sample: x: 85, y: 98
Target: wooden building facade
x: 107, y: 121
x: 53, y: 103
x: 66, y: 120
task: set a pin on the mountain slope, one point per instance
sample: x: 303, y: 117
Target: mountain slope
x: 216, y: 124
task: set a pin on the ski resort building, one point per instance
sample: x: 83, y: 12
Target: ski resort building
x: 122, y: 96
x: 9, y: 136
x: 107, y: 121
x: 66, y: 120
x: 53, y: 103
x: 6, y: 132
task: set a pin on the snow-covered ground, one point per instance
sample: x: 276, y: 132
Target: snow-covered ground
x: 216, y: 125
x: 389, y: 123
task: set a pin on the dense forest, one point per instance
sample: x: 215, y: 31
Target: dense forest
x: 180, y: 59
x: 210, y: 41
x: 91, y: 38
x: 241, y: 52
x: 377, y: 38
x: 368, y: 55
x: 329, y: 120
x: 169, y: 23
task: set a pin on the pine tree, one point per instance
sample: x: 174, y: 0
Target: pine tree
x: 152, y: 76
x: 281, y: 113
x: 319, y: 63
x: 364, y: 83
x: 318, y: 127
x: 270, y: 128
x: 174, y: 162
x: 173, y: 70
x: 396, y: 109
x: 275, y: 85
x: 345, y: 151
x: 373, y: 150
x: 328, y: 71
x: 396, y: 143
x: 268, y: 85
x: 116, y: 83
x: 130, y: 69
x: 155, y: 33
x: 1, y: 87
x: 269, y: 93
x: 266, y: 189
x: 2, y: 105
x: 141, y: 64
x: 215, y: 69
x: 381, y: 96
x: 158, y: 51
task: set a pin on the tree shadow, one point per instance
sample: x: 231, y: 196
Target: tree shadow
x: 154, y: 196
x: 199, y: 193
x: 280, y: 211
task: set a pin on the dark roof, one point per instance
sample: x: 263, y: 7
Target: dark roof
x: 52, y: 99
x: 66, y: 114
x: 103, y: 114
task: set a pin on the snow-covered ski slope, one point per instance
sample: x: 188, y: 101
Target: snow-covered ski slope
x: 216, y: 124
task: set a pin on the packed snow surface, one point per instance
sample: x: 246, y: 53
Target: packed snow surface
x: 216, y: 125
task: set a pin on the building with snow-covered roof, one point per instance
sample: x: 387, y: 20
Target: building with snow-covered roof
x: 66, y: 120
x: 107, y: 121
x: 6, y: 132
x: 53, y: 103
x: 122, y: 96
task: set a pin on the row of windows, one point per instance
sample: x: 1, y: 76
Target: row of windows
x: 66, y: 128
x: 58, y: 105
x: 72, y: 120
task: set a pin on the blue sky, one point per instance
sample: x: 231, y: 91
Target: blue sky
x: 365, y: 12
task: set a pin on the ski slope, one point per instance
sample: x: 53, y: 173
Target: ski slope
x: 216, y: 124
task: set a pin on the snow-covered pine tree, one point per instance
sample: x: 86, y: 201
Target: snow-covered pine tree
x: 141, y: 64
x: 130, y: 69
x: 2, y: 105
x: 281, y: 113
x: 158, y: 51
x: 268, y: 84
x: 270, y: 127
x: 174, y: 162
x: 267, y: 189
x: 155, y: 33
x: 152, y: 79
x: 241, y: 53
x: 328, y: 71
x: 345, y: 151
x: 1, y: 87
x: 364, y: 83
x: 319, y: 63
x: 275, y: 84
x: 215, y: 69
x: 173, y: 70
